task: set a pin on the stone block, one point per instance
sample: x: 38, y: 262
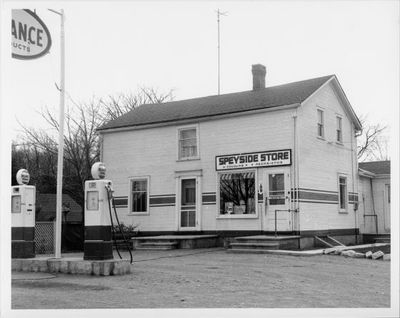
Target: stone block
x: 106, y: 268
x: 83, y: 267
x: 96, y: 268
x: 72, y: 268
x: 368, y: 254
x: 349, y: 253
x: 63, y: 268
x: 26, y: 265
x: 377, y: 255
x: 39, y: 265
x: 359, y: 255
x: 386, y: 257
x: 16, y: 265
x: 53, y: 265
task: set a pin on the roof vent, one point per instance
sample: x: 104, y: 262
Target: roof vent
x: 259, y: 72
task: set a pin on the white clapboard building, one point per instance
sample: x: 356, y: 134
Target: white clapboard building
x: 279, y: 158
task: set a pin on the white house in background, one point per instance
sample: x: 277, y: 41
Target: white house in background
x: 374, y: 197
x: 272, y: 158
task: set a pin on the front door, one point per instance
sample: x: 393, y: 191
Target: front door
x: 188, y: 204
x: 277, y: 201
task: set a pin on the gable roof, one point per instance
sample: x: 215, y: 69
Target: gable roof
x: 204, y: 107
x: 376, y: 167
x: 46, y: 208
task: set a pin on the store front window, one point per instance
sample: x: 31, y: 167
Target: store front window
x: 237, y: 193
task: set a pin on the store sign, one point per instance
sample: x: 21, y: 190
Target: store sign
x: 254, y: 160
x: 30, y: 38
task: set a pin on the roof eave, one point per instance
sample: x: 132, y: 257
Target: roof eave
x: 196, y: 119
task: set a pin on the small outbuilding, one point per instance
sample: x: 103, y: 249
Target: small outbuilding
x: 374, y: 185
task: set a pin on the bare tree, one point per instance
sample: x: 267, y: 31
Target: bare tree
x: 372, y: 144
x: 81, y: 142
x: 117, y: 105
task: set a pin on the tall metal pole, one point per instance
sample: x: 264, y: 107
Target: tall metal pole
x: 219, y: 13
x: 60, y: 138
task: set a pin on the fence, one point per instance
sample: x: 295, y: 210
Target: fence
x: 44, y: 237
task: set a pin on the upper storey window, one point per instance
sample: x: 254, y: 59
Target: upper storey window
x: 320, y: 125
x: 339, y: 133
x: 188, y: 143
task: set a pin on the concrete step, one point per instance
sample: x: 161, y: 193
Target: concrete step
x: 157, y: 246
x: 254, y: 245
x: 382, y: 240
x: 265, y: 239
x: 248, y: 250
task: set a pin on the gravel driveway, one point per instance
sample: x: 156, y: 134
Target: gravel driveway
x: 213, y: 278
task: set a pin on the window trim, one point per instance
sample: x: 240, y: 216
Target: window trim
x: 236, y: 216
x: 319, y: 109
x: 345, y: 210
x: 130, y: 201
x: 339, y: 119
x: 188, y: 127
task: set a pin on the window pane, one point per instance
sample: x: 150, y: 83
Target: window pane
x: 187, y: 143
x: 192, y: 218
x: 139, y: 185
x: 276, y: 189
x: 342, y: 193
x: 320, y: 116
x: 189, y: 192
x: 187, y: 134
x: 139, y: 196
x: 237, y: 193
x: 184, y: 218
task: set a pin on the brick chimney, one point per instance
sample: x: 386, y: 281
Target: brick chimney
x: 259, y: 72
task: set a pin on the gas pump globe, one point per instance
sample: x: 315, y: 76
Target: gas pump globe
x: 23, y: 200
x: 98, y: 239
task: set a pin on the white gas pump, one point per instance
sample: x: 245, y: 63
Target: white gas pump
x: 98, y: 237
x: 23, y: 200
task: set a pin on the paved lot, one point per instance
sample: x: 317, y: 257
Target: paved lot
x: 212, y: 278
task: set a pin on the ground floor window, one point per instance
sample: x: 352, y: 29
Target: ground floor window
x: 237, y: 193
x: 139, y: 195
x: 342, y: 193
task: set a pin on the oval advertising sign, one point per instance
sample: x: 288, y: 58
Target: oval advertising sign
x: 30, y: 37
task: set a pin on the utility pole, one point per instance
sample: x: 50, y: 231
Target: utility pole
x: 219, y: 13
x: 60, y: 138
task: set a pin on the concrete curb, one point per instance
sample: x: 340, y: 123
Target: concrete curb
x: 74, y: 266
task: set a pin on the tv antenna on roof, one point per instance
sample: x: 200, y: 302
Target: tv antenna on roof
x: 219, y: 13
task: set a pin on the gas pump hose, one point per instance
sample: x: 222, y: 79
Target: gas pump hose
x: 119, y: 226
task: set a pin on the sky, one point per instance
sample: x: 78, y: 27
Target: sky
x: 118, y: 47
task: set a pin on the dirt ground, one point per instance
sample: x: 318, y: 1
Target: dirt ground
x: 213, y: 278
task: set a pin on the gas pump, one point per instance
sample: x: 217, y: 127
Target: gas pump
x: 23, y: 199
x: 98, y: 238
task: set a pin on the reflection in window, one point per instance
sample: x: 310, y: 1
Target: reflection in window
x: 342, y: 193
x: 276, y: 189
x: 187, y: 143
x: 139, y: 195
x: 237, y: 193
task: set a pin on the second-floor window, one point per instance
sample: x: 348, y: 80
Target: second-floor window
x: 320, y: 125
x: 339, y: 134
x: 188, y: 143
